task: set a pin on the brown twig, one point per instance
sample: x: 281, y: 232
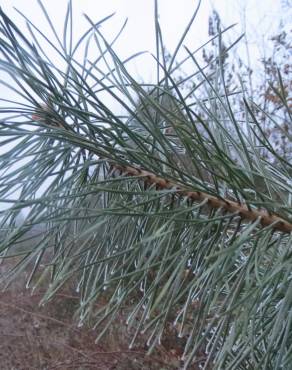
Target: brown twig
x: 229, y: 206
x: 41, y: 316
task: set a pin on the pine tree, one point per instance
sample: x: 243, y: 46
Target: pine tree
x: 169, y: 207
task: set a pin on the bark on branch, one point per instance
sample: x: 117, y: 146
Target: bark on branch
x: 229, y: 206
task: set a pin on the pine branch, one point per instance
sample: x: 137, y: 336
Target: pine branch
x: 242, y: 210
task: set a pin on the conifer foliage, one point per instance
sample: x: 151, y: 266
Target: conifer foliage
x: 168, y: 207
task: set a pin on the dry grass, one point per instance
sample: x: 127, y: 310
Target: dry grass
x: 47, y: 337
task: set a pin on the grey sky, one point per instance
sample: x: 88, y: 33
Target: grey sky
x: 261, y: 18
